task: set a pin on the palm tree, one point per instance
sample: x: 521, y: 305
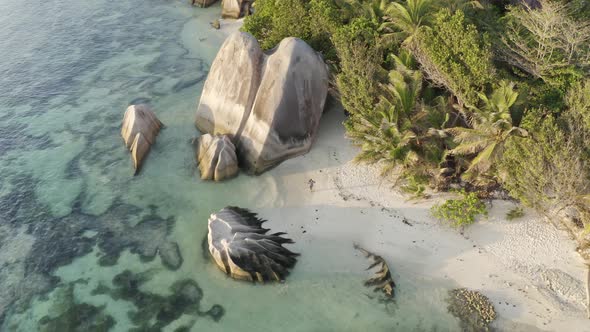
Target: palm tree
x: 403, y: 88
x: 381, y: 139
x: 371, y: 9
x: 410, y: 16
x: 386, y: 133
x: 464, y: 5
x: 492, y: 127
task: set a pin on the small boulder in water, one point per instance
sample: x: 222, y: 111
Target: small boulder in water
x: 241, y: 248
x: 139, y: 130
x: 217, y: 157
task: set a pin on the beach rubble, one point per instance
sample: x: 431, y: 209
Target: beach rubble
x: 474, y: 310
x: 382, y: 280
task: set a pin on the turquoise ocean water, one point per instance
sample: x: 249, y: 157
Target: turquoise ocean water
x: 84, y: 245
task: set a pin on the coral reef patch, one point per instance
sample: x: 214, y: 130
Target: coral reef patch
x: 474, y: 310
x: 37, y: 243
x: 154, y: 311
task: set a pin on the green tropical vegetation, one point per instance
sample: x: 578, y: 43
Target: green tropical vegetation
x: 462, y: 211
x: 515, y: 213
x: 487, y: 96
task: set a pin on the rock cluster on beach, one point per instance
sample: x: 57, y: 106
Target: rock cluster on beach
x: 216, y: 156
x: 268, y: 103
x: 229, y: 8
x: 235, y: 8
x: 242, y: 248
x: 139, y: 130
x: 474, y: 310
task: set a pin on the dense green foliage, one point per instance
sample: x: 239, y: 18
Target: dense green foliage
x: 548, y: 43
x: 455, y: 56
x: 460, y: 212
x: 475, y: 94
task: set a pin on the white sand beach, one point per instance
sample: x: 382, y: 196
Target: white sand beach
x: 526, y: 267
x: 83, y: 241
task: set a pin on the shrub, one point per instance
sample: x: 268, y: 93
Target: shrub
x: 313, y: 21
x: 515, y: 213
x: 547, y: 42
x: 455, y: 56
x: 460, y: 212
x: 549, y: 170
x: 360, y: 61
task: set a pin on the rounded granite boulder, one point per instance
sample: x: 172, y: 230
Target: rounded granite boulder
x: 216, y: 157
x: 231, y: 86
x: 269, y: 103
x: 242, y: 248
x: 235, y: 8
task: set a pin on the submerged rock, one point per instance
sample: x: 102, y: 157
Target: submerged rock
x: 216, y: 25
x: 216, y: 157
x: 139, y: 130
x: 269, y: 103
x: 382, y: 280
x: 170, y: 255
x: 231, y: 86
x: 37, y: 252
x: 154, y: 311
x: 76, y: 316
x: 474, y: 310
x: 241, y: 248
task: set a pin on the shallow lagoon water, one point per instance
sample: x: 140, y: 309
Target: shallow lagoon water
x: 75, y: 224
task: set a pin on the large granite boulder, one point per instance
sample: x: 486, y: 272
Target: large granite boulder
x: 235, y: 8
x: 242, y: 248
x: 231, y: 86
x: 216, y: 156
x: 269, y: 103
x: 139, y: 130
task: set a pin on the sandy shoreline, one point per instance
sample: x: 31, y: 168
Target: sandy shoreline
x: 527, y: 267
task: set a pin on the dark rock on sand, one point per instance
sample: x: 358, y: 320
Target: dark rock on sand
x: 242, y: 248
x: 382, y: 280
